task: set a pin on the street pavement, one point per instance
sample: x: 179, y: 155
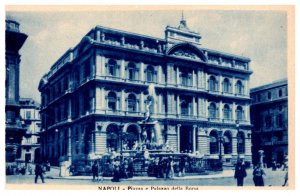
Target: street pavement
x: 225, y: 178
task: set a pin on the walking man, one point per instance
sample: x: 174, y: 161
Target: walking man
x: 240, y: 173
x: 38, y: 173
x: 95, y: 171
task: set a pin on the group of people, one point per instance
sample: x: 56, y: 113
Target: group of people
x: 121, y: 168
x: 258, y: 174
x: 164, y: 167
x: 240, y: 173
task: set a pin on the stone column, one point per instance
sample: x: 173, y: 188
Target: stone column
x: 142, y: 103
x: 178, y: 137
x: 233, y: 111
x: 159, y: 74
x: 159, y: 103
x: 178, y: 105
x: 221, y: 110
x: 69, y: 108
x: 199, y: 79
x: 177, y: 76
x: 194, y: 107
x: 100, y: 65
x: 142, y: 71
x: 199, y: 107
x: 194, y: 83
x: 220, y: 84
x: 194, y: 138
x: 123, y: 102
x: 122, y: 69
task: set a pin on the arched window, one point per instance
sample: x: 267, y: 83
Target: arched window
x: 112, y: 101
x: 212, y: 110
x: 131, y: 71
x: 239, y: 113
x: 150, y: 73
x: 240, y: 143
x: 213, y: 84
x: 213, y: 142
x: 132, y: 102
x: 112, y: 67
x: 227, y: 142
x: 184, y: 108
x: 112, y: 137
x: 227, y: 112
x: 239, y: 88
x: 226, y: 85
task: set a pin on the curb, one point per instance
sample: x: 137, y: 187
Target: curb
x: 143, y: 178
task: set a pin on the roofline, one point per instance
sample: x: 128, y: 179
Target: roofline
x: 273, y: 84
x: 128, y: 33
x: 237, y: 57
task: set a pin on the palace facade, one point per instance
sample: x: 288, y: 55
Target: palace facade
x: 269, y: 116
x: 94, y: 96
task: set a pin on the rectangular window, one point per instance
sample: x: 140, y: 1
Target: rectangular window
x: 268, y: 121
x: 28, y: 114
x: 279, y: 121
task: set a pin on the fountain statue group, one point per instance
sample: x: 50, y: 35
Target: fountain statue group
x: 151, y: 131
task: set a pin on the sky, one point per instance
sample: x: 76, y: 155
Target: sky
x: 257, y: 34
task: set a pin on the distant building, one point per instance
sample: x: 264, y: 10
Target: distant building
x: 95, y: 95
x: 14, y: 132
x: 31, y: 121
x: 269, y: 116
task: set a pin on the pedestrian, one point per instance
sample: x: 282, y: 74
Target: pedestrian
x: 116, y: 171
x: 29, y: 170
x: 274, y: 166
x: 100, y: 171
x: 48, y: 166
x: 95, y: 169
x: 182, y: 167
x: 170, y: 168
x: 38, y: 173
x: 130, y: 168
x: 240, y: 173
x: 258, y: 173
x: 286, y: 178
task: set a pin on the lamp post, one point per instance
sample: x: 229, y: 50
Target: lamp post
x: 237, y: 124
x: 221, y: 140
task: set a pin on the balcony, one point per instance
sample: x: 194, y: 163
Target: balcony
x: 214, y: 119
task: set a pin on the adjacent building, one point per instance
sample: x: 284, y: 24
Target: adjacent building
x: 31, y: 121
x: 95, y: 95
x: 14, y: 40
x: 269, y: 116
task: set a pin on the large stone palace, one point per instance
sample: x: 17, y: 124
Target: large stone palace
x: 96, y: 94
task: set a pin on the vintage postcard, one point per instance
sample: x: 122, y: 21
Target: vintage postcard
x: 149, y: 97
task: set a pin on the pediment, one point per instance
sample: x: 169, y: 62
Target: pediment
x: 187, y: 51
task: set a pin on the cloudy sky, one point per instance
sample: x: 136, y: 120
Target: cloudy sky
x: 259, y: 35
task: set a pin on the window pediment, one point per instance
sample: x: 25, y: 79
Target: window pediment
x: 186, y: 50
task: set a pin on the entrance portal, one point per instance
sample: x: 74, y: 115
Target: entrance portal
x: 186, y: 139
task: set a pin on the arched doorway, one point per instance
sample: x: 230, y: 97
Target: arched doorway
x: 227, y: 142
x: 112, y: 138
x: 213, y: 142
x: 186, y: 138
x: 241, y: 143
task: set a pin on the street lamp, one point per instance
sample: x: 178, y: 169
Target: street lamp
x: 238, y: 138
x: 221, y: 140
